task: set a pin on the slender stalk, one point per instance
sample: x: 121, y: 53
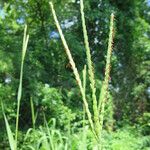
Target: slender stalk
x: 104, y: 89
x: 84, y: 87
x: 32, y: 112
x: 84, y: 78
x: 75, y: 71
x: 24, y: 48
x: 90, y: 70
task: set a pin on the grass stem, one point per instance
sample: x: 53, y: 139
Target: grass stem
x: 24, y: 48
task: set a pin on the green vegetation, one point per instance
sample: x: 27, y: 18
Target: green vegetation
x: 97, y: 124
x: 74, y: 103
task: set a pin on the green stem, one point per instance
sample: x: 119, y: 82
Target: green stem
x: 104, y: 89
x: 24, y: 48
x: 75, y: 71
x: 90, y: 70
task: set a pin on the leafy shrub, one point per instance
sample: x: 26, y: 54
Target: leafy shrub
x: 144, y: 122
x: 45, y: 138
x: 51, y: 104
x: 127, y: 138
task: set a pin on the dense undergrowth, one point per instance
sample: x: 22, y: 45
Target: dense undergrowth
x: 51, y: 138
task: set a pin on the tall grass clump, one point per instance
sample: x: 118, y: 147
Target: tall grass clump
x: 14, y: 140
x: 95, y: 120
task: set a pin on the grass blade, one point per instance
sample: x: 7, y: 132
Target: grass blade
x: 24, y: 48
x: 8, y: 129
x: 10, y: 134
x: 32, y: 112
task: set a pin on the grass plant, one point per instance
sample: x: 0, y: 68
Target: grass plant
x: 95, y: 121
x: 14, y: 140
x: 75, y: 70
